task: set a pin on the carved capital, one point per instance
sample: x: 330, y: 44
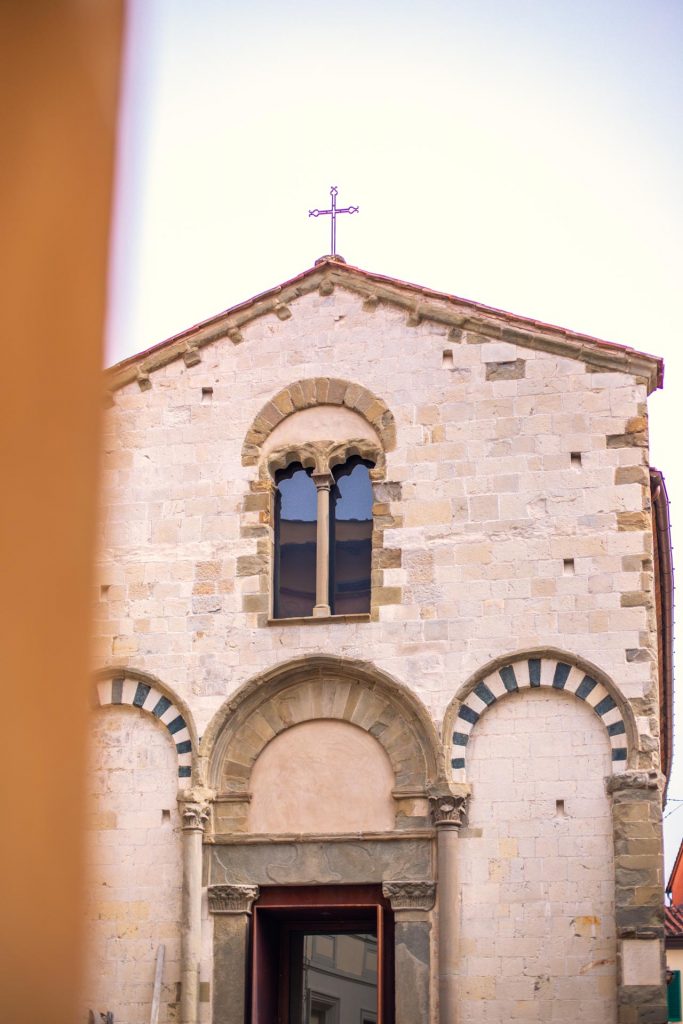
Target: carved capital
x: 232, y: 899
x: 322, y: 456
x: 194, y: 815
x: 410, y: 895
x: 634, y: 780
x: 448, y: 810
x: 322, y: 480
x: 195, y: 807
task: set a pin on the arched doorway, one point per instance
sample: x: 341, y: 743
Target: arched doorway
x: 321, y: 857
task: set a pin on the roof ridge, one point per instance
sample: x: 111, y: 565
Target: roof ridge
x: 421, y: 302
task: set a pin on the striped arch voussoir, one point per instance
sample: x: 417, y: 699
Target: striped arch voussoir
x: 529, y: 673
x: 137, y: 693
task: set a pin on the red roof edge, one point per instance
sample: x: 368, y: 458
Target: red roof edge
x: 476, y: 307
x: 678, y: 865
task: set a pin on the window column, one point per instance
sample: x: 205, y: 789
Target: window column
x: 323, y: 483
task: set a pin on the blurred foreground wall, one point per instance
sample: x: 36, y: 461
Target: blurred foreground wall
x: 59, y: 71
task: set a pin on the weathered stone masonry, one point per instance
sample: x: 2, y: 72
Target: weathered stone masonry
x: 512, y: 574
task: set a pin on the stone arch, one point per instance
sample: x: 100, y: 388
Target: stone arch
x: 549, y: 668
x: 126, y: 686
x: 304, y: 394
x: 310, y: 689
x: 323, y: 456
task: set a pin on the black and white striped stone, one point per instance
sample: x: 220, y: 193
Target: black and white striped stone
x: 146, y: 697
x: 529, y: 673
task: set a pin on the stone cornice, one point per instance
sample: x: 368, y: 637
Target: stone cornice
x: 420, y: 304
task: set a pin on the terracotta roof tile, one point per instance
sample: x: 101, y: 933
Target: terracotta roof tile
x: 673, y: 922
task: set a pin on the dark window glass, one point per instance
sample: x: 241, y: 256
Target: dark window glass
x: 296, y: 514
x: 350, y: 538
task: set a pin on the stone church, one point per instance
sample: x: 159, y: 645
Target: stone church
x: 382, y: 713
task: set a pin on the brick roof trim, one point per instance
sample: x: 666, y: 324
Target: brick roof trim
x: 420, y: 304
x: 673, y: 925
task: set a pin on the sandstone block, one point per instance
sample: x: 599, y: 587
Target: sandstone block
x: 633, y: 521
x: 513, y: 370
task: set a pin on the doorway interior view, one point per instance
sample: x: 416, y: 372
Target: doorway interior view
x: 320, y: 956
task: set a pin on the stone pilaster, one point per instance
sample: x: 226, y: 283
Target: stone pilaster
x: 231, y: 906
x: 194, y: 811
x: 637, y: 825
x: 411, y: 902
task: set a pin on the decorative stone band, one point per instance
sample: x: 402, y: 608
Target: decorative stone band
x: 528, y: 674
x: 232, y: 899
x: 148, y: 698
x: 410, y: 895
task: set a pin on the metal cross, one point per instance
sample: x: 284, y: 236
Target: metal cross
x: 333, y: 211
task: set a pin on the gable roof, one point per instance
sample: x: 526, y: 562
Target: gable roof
x: 420, y: 304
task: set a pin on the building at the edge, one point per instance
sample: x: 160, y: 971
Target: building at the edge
x: 383, y: 703
x: 673, y: 924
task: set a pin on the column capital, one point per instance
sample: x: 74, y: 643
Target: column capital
x: 195, y: 808
x: 449, y: 810
x: 232, y: 899
x: 195, y: 816
x: 323, y: 481
x: 410, y: 895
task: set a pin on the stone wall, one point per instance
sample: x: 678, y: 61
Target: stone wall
x: 515, y: 507
x: 134, y: 866
x: 536, y: 866
x: 512, y: 514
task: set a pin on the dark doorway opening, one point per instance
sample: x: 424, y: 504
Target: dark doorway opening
x: 322, y: 955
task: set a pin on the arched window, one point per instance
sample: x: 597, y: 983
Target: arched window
x: 350, y: 538
x: 296, y: 514
x: 323, y: 540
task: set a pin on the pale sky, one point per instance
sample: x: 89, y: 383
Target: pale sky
x: 527, y: 154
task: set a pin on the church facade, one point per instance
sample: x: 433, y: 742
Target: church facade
x: 383, y: 636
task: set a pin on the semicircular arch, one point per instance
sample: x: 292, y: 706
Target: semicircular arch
x: 304, y: 394
x: 546, y: 668
x: 321, y: 687
x: 116, y: 686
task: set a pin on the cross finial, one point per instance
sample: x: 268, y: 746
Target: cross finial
x: 332, y: 212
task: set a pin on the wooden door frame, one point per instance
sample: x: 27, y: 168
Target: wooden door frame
x: 298, y: 907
